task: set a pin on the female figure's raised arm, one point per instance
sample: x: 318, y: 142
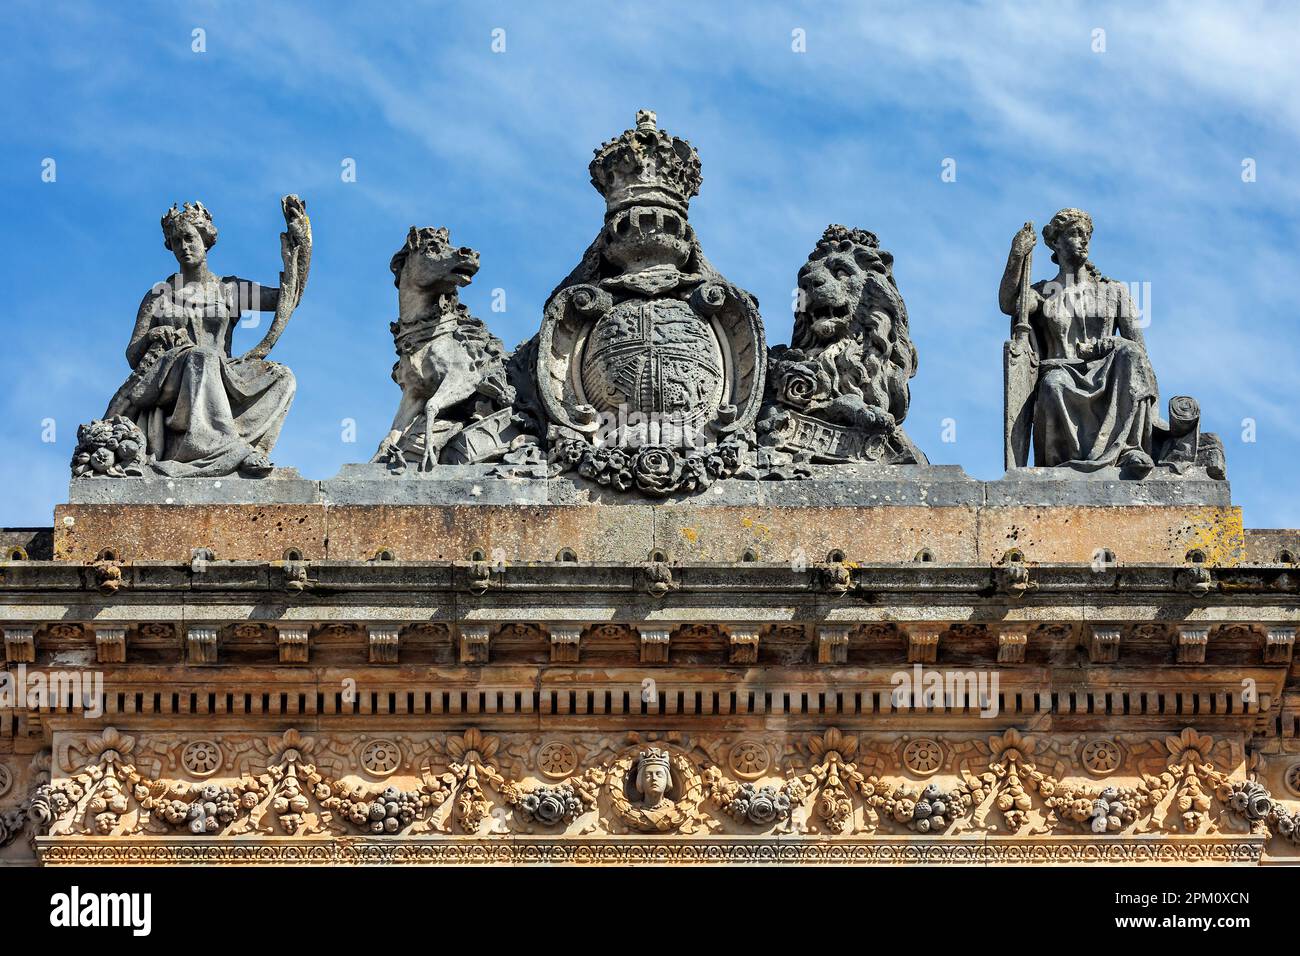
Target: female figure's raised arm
x: 1009, y: 289
x: 255, y: 297
x: 295, y: 252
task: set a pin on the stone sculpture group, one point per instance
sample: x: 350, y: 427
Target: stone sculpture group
x: 650, y: 373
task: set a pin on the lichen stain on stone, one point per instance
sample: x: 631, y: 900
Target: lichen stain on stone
x: 1221, y: 536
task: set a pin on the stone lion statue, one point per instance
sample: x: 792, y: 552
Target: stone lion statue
x: 849, y: 362
x: 456, y: 402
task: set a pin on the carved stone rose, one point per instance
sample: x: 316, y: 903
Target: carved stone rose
x: 798, y: 384
x: 657, y: 469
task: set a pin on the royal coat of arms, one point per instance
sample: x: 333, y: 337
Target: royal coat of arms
x: 649, y: 365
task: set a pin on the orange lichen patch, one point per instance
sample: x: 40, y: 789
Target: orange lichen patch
x: 1220, y: 537
x: 864, y: 535
x: 1137, y: 534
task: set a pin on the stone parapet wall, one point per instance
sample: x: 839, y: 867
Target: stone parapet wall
x: 880, y: 515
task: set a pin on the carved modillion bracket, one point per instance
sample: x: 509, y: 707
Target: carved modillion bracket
x: 1279, y: 645
x: 110, y: 645
x: 385, y: 643
x: 1012, y: 644
x: 743, y: 644
x: 565, y: 643
x: 923, y: 644
x: 474, y: 639
x: 1103, y: 645
x: 20, y: 645
x: 292, y: 640
x: 833, y: 645
x: 201, y: 644
x: 654, y: 645
x: 1190, y: 644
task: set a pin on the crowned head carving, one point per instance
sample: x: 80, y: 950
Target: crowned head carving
x: 428, y: 260
x: 188, y: 233
x: 653, y: 776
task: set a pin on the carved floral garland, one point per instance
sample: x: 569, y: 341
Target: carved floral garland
x: 656, y: 470
x: 291, y: 785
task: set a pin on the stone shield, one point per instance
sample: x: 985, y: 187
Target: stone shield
x: 697, y: 359
x: 657, y: 357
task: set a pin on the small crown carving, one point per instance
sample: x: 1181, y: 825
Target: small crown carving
x: 646, y: 166
x: 194, y: 212
x: 652, y: 757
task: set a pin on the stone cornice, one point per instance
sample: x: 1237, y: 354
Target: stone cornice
x: 1229, y: 586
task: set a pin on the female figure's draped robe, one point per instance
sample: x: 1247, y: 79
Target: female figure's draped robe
x: 202, y: 411
x: 1088, y: 411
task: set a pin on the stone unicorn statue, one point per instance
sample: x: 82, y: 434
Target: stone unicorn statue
x: 456, y: 402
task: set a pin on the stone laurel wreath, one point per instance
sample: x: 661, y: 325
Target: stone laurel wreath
x: 291, y: 793
x: 679, y: 814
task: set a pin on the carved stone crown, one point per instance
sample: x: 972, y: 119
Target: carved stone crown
x: 646, y: 166
x: 651, y: 757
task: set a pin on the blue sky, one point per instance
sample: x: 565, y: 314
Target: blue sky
x: 1149, y: 136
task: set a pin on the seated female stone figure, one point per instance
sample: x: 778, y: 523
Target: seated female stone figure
x: 203, y: 412
x: 1094, y: 405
